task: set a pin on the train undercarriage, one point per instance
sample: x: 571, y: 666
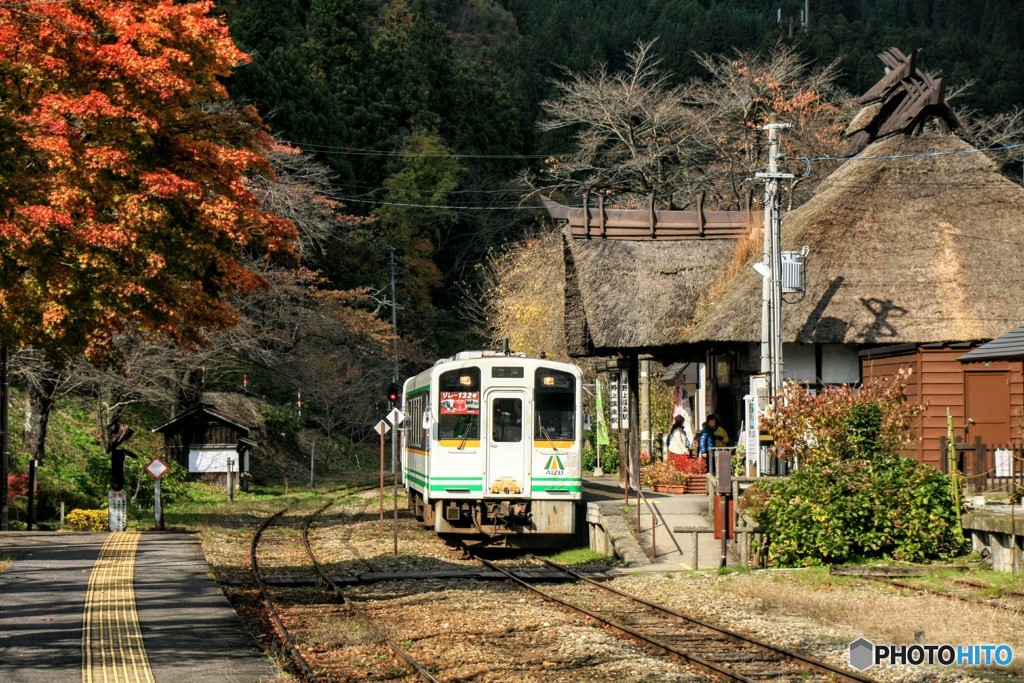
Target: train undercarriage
x: 514, y: 523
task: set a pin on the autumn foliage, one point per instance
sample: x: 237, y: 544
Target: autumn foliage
x: 853, y: 496
x: 122, y: 186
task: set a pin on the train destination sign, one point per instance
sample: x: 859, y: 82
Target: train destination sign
x: 460, y: 402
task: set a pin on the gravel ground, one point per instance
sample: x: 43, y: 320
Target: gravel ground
x: 470, y: 630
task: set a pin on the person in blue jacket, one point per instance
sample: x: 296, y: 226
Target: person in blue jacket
x: 712, y: 435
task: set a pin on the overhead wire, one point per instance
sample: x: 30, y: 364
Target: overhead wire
x: 366, y: 197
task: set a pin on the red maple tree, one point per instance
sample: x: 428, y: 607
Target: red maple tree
x: 122, y: 181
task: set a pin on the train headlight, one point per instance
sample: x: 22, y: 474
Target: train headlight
x: 466, y: 380
x: 548, y: 381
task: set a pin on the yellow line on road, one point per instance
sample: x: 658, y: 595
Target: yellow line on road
x: 112, y: 648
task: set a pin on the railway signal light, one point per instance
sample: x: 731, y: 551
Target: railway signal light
x: 393, y: 392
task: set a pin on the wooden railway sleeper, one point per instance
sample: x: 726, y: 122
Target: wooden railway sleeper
x: 802, y: 660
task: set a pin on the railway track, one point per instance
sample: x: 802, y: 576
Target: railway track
x: 1013, y: 601
x: 717, y: 651
x: 287, y: 640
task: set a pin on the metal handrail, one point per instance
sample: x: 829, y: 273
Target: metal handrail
x: 642, y: 498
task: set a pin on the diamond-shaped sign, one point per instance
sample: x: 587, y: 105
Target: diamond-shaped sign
x: 157, y: 468
x: 396, y: 416
x: 382, y: 427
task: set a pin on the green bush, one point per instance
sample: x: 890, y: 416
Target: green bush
x: 609, y: 455
x: 87, y: 520
x: 856, y: 498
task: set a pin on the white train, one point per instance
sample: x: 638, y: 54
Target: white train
x: 491, y: 447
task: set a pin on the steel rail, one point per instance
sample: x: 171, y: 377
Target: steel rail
x: 286, y: 637
x: 949, y: 596
x: 690, y: 658
x: 370, y: 623
x: 732, y: 636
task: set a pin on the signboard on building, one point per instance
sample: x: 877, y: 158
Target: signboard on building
x: 624, y: 399
x: 210, y: 459
x: 613, y: 402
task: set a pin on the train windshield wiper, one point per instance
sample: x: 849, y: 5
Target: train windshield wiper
x: 464, y: 438
x: 547, y: 436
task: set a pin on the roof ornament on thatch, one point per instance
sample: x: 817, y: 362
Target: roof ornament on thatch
x: 901, y: 102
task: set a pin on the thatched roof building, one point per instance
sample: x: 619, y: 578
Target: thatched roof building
x: 626, y: 296
x: 906, y: 246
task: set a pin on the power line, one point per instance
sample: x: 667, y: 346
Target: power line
x: 916, y: 155
x: 362, y: 151
x: 448, y: 207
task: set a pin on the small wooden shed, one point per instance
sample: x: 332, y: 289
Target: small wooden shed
x: 210, y: 443
x: 984, y: 395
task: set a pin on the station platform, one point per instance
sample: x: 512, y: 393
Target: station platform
x: 676, y: 531
x: 123, y: 606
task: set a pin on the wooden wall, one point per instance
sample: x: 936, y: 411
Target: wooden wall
x: 888, y: 366
x: 938, y: 381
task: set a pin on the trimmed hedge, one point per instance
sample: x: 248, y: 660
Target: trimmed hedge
x: 87, y: 520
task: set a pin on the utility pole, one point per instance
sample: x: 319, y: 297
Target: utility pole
x: 5, y: 462
x: 394, y: 317
x: 646, y: 440
x: 394, y: 353
x: 771, y: 264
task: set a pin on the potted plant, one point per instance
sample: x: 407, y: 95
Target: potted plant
x: 678, y: 475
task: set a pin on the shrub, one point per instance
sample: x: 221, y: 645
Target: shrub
x: 87, y: 520
x: 854, y: 496
x: 664, y: 473
x: 841, y: 421
x: 688, y: 465
x: 609, y: 457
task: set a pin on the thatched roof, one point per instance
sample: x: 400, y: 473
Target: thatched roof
x: 624, y: 295
x: 905, y: 250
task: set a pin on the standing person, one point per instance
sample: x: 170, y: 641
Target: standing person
x: 712, y: 435
x: 677, y: 438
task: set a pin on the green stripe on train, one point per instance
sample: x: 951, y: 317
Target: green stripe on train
x: 572, y: 488
x: 420, y: 390
x: 415, y: 477
x: 468, y: 488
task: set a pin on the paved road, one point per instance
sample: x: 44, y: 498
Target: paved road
x: 188, y: 630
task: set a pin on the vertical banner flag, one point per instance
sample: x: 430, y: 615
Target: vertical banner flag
x: 602, y: 430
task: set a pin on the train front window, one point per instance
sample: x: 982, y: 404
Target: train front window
x: 507, y: 420
x: 458, y: 409
x: 555, y: 399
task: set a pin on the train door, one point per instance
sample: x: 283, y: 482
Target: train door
x: 507, y: 468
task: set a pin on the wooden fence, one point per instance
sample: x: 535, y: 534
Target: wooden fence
x: 986, y: 468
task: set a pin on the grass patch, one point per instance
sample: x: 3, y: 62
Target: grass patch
x: 578, y: 556
x: 874, y: 609
x: 6, y: 559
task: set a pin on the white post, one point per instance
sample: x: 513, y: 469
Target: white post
x: 158, y: 510
x: 312, y: 458
x: 702, y: 397
x: 646, y: 439
x: 231, y: 488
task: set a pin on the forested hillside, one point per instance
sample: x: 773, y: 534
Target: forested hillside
x: 157, y: 244
x: 425, y: 109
